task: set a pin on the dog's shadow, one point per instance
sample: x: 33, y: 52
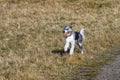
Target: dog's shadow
x: 60, y: 52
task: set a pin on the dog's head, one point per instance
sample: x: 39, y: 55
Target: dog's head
x: 67, y: 30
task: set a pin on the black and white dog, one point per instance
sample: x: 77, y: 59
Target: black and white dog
x: 73, y: 38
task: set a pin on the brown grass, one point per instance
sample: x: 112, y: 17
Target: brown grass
x: 31, y: 29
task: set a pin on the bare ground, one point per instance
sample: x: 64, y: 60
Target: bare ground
x: 110, y: 71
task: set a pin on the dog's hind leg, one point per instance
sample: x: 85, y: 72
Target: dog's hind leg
x: 81, y: 48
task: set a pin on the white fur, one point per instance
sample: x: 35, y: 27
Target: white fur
x: 70, y: 40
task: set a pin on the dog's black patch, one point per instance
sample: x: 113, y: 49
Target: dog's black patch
x: 77, y: 35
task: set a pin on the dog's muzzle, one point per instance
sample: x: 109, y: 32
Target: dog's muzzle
x: 65, y: 33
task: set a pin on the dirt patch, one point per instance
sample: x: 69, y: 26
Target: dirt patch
x: 110, y: 71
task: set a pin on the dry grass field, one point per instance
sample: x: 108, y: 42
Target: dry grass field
x: 30, y: 30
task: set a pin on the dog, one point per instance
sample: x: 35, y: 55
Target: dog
x: 73, y: 38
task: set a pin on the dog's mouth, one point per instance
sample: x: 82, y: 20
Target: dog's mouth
x: 65, y: 34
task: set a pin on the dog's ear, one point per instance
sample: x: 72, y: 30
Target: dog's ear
x: 71, y: 27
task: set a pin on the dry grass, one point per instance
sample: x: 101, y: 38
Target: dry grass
x: 31, y: 29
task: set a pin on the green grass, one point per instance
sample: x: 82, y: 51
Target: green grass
x: 31, y: 29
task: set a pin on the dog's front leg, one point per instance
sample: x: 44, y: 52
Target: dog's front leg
x: 72, y: 48
x: 66, y: 46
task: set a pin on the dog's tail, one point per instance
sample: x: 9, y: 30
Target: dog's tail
x: 82, y: 33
